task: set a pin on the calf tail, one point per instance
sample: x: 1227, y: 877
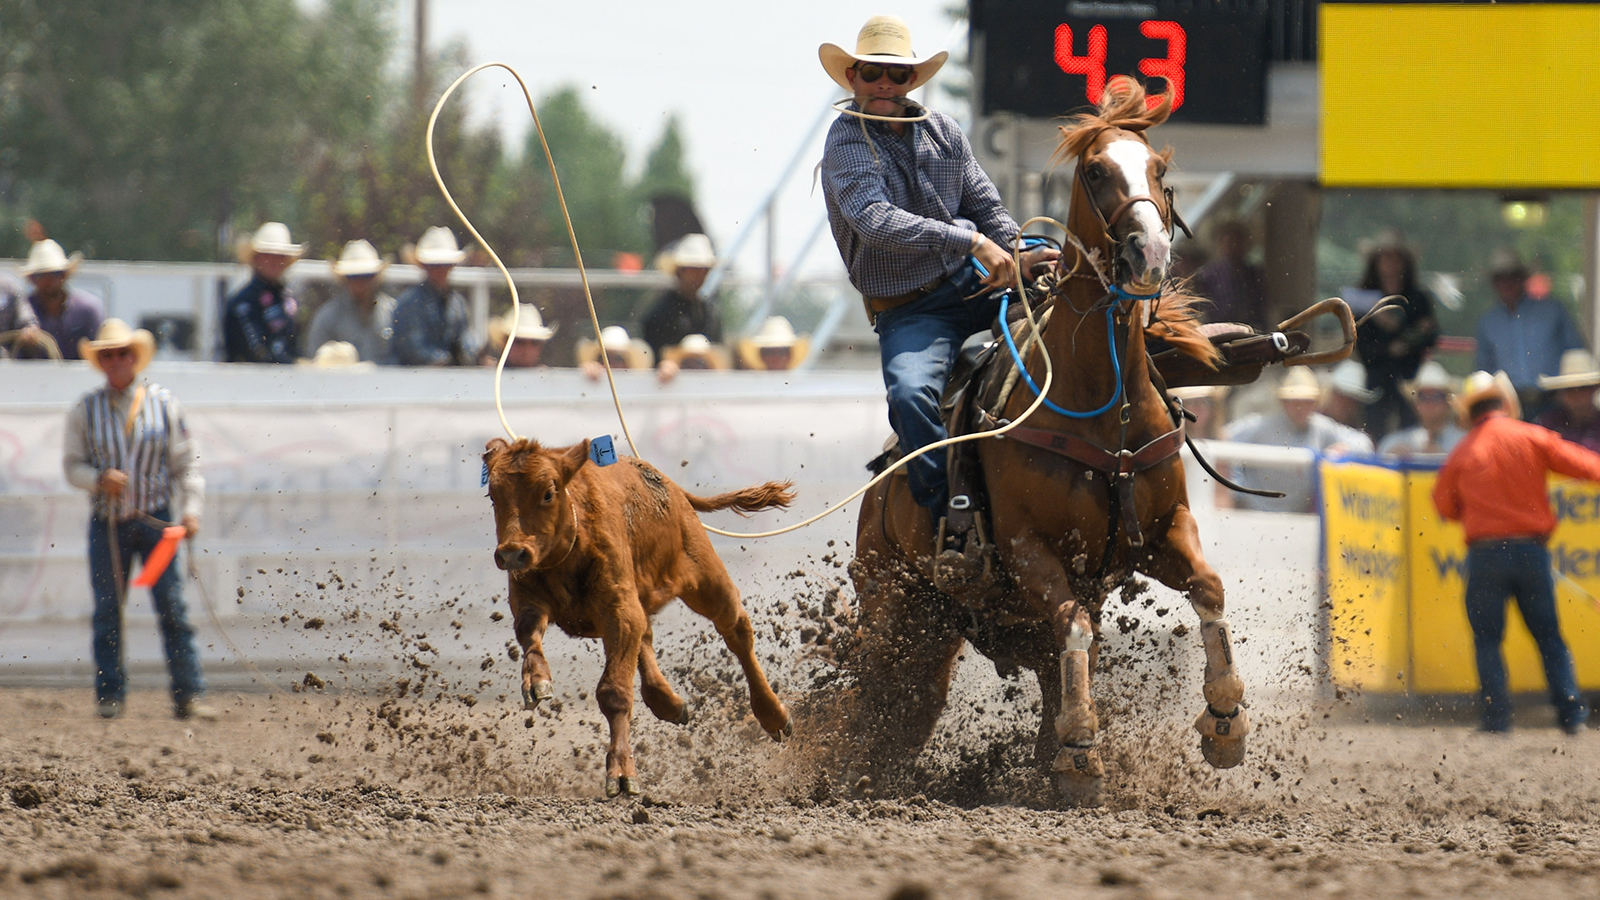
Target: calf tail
x: 747, y: 500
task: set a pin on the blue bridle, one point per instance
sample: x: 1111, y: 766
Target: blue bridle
x: 1117, y: 294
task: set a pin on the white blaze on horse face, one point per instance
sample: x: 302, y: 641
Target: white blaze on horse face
x: 1132, y: 159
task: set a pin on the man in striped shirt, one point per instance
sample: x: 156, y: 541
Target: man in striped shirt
x: 908, y: 206
x: 127, y: 444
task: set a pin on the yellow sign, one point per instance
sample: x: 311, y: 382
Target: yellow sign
x: 1402, y: 626
x: 1364, y: 513
x: 1460, y: 95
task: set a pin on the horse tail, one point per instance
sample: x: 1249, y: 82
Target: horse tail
x: 746, y: 500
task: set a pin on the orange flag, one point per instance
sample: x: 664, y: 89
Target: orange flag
x: 161, y: 556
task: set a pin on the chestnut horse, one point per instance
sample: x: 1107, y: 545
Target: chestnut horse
x: 1070, y: 520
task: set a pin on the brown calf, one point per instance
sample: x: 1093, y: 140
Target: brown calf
x: 598, y: 551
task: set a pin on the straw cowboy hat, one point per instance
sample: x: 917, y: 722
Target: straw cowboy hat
x: 1432, y: 376
x: 635, y: 353
x: 530, y: 326
x: 1481, y: 385
x: 1299, y: 384
x: 1578, y: 369
x: 115, y: 334
x: 697, y: 347
x: 437, y: 247
x: 1389, y: 240
x: 46, y: 256
x: 1350, y: 379
x: 693, y: 251
x: 336, y: 355
x: 359, y: 258
x: 1506, y: 261
x: 775, y: 332
x: 885, y: 40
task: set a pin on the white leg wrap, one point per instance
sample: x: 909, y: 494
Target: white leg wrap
x: 1077, y: 724
x: 1224, y: 689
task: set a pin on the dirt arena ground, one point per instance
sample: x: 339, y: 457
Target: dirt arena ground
x: 345, y: 794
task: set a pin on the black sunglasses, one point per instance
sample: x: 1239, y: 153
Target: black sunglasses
x: 870, y: 72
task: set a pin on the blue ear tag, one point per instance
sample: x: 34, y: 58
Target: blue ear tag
x: 484, y: 480
x: 602, y: 451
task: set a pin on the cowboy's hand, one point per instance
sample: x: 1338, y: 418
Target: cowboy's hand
x: 191, y: 526
x: 998, y: 261
x: 113, y: 482
x: 1037, y: 261
x: 667, y: 371
x: 30, y: 335
x: 592, y: 370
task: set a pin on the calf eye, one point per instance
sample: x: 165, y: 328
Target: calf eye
x: 549, y: 494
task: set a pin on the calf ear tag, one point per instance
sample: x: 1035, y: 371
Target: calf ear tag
x: 483, y: 480
x: 602, y: 451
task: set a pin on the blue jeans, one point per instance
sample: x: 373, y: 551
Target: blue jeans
x: 919, y: 343
x: 138, y: 537
x: 1517, y: 568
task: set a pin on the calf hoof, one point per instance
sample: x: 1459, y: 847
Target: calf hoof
x: 683, y: 717
x: 786, y: 731
x: 542, y: 690
x: 1080, y: 776
x: 623, y: 784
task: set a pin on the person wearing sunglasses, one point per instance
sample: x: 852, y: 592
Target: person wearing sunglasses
x: 911, y: 210
x: 128, y: 445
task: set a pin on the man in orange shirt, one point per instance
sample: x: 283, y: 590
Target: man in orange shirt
x: 1507, y: 519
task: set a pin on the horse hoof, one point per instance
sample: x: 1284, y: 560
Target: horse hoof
x: 1222, y: 754
x: 1080, y: 774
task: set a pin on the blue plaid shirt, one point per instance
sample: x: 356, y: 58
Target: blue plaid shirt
x: 904, y: 217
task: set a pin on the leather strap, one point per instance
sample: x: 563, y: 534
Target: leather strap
x: 1126, y: 463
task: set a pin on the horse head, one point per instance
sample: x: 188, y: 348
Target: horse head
x: 1120, y: 192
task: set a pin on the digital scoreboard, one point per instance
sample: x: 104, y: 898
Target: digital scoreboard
x: 1047, y: 58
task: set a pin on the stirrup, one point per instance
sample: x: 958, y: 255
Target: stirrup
x: 972, y: 566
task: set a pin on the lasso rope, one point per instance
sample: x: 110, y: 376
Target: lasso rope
x: 594, y: 318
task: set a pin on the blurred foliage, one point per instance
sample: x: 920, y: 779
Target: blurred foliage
x: 167, y: 129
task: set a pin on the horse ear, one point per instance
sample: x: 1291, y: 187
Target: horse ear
x: 572, y: 459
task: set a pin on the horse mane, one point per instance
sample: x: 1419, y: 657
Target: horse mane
x: 1177, y: 322
x: 1123, y: 105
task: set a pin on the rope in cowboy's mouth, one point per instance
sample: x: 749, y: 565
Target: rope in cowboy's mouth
x: 594, y: 318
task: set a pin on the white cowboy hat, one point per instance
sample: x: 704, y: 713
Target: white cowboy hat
x: 697, y: 346
x: 1506, y: 261
x: 46, y: 256
x: 438, y: 247
x: 885, y: 40
x: 359, y: 258
x: 530, y: 326
x: 336, y: 355
x: 1578, y: 369
x: 114, y: 334
x: 273, y: 237
x: 1480, y: 385
x: 1389, y: 240
x: 693, y: 251
x: 775, y: 332
x: 1432, y: 376
x: 636, y: 354
x: 1299, y: 384
x: 1350, y: 380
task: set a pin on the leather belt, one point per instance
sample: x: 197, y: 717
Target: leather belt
x: 877, y: 305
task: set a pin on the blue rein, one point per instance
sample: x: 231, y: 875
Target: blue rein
x: 1111, y: 342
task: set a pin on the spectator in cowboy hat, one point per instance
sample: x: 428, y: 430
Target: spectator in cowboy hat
x: 1345, y: 398
x: 774, y: 348
x: 621, y: 350
x: 61, y: 316
x: 696, y: 351
x: 1521, y: 335
x: 1494, y: 483
x: 129, y: 446
x: 527, y: 339
x: 361, y: 314
x: 1297, y: 424
x: 431, y: 324
x: 258, y: 321
x: 1573, y: 415
x: 341, y: 355
x: 681, y: 311
x: 1436, y: 430
x: 1393, y: 342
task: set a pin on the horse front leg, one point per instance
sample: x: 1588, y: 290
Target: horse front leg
x: 1179, y: 565
x: 1079, y: 771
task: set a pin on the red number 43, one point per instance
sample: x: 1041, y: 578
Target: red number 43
x: 1092, y: 64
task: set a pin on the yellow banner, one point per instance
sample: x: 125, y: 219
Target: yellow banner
x: 1460, y: 95
x: 1363, y: 532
